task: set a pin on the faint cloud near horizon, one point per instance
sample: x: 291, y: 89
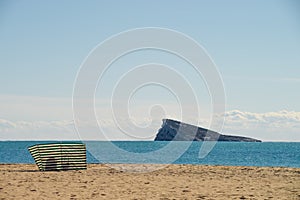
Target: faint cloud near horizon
x: 269, y: 126
x: 285, y: 79
x: 297, y: 80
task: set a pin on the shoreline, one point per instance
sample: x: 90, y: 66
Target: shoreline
x: 158, y: 164
x: 174, y: 181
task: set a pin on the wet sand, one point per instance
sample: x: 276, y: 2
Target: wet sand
x: 22, y: 181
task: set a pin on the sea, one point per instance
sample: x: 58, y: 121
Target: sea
x: 264, y: 154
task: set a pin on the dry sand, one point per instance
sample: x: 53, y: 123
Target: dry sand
x: 22, y: 181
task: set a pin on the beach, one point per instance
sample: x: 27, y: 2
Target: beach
x: 99, y: 181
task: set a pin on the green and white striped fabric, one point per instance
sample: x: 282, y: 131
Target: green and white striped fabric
x: 59, y: 156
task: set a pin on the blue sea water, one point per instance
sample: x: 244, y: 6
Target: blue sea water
x: 275, y: 154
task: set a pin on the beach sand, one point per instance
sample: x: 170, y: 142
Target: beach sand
x: 23, y: 181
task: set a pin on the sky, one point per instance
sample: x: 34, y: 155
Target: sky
x: 254, y: 44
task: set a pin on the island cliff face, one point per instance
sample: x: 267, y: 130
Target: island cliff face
x: 169, y: 131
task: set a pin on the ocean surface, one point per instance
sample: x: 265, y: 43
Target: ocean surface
x: 275, y: 154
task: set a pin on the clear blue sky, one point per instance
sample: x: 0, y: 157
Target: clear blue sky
x: 255, y: 44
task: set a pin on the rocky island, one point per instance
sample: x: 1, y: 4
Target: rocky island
x: 169, y: 131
